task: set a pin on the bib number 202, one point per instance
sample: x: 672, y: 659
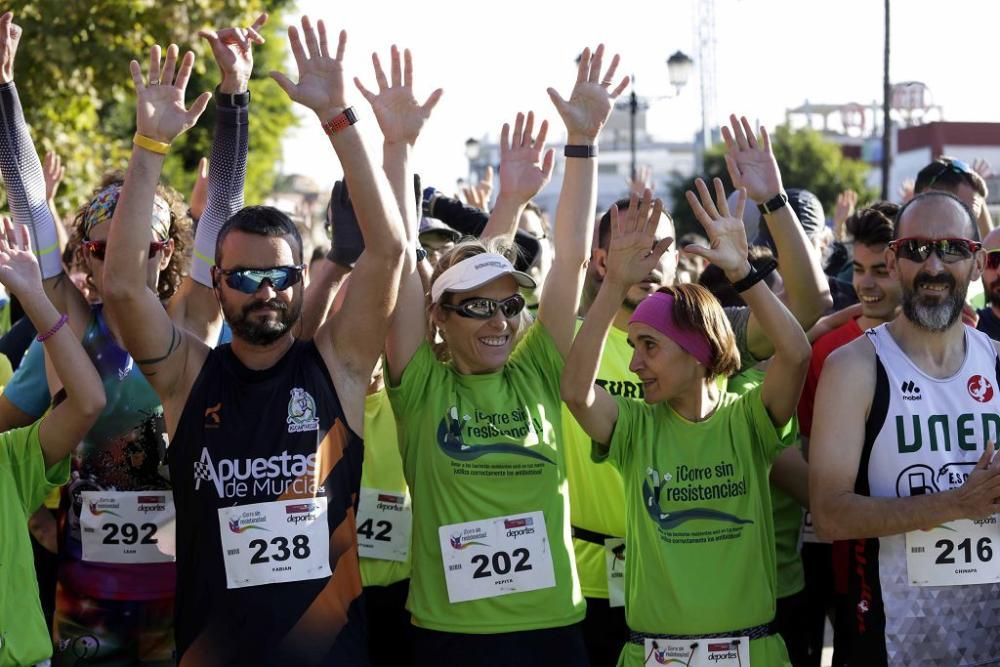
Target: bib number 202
x: 983, y: 549
x: 128, y: 533
x: 501, y: 563
x: 281, y: 551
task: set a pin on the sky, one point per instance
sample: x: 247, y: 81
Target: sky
x: 493, y: 60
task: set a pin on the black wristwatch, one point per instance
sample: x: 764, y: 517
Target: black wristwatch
x: 231, y: 100
x: 755, y: 276
x: 773, y: 204
x: 421, y: 254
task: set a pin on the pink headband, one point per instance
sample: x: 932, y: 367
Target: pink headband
x: 657, y: 311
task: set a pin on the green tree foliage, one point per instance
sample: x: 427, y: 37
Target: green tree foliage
x: 807, y: 160
x: 73, y: 78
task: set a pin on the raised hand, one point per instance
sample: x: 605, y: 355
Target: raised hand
x: 233, y: 52
x: 634, y: 250
x: 19, y: 270
x: 53, y: 172
x: 642, y: 180
x: 321, y: 76
x: 727, y: 237
x: 397, y: 111
x: 10, y: 37
x: 982, y: 167
x: 750, y: 162
x: 199, y: 192
x: 478, y: 195
x: 523, y: 169
x: 159, y: 112
x: 846, y: 203
x: 592, y: 99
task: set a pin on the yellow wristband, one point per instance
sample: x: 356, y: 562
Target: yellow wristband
x: 151, y: 145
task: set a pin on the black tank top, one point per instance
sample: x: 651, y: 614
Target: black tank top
x: 249, y: 437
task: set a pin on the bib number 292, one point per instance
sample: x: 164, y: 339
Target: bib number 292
x: 129, y: 533
x: 501, y: 562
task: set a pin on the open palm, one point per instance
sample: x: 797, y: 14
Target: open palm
x: 399, y: 115
x: 321, y: 76
x: 634, y: 250
x: 727, y: 237
x: 525, y: 165
x: 592, y: 98
x: 160, y: 113
x: 750, y: 162
x: 19, y: 270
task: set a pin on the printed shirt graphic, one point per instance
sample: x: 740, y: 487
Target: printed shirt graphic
x: 933, y: 433
x: 125, y: 450
x: 477, y: 447
x: 248, y: 437
x: 699, y: 520
x: 382, y: 469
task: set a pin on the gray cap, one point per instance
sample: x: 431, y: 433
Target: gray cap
x: 435, y: 226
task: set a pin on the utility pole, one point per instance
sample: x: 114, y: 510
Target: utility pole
x: 886, y: 116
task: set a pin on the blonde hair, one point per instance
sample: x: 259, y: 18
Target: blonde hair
x: 464, y: 249
x: 696, y: 309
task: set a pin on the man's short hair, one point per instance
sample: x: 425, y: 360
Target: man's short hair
x: 872, y: 225
x: 604, y: 224
x: 262, y: 221
x: 923, y: 196
x: 947, y: 173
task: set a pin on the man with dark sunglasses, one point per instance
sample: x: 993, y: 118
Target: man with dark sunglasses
x: 265, y: 433
x: 989, y: 316
x: 902, y: 452
x: 948, y: 174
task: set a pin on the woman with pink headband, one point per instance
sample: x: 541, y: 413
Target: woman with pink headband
x: 700, y: 580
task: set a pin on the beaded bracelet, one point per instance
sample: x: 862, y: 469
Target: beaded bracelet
x: 41, y: 338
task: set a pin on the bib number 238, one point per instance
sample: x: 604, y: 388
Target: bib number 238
x: 276, y: 542
x: 493, y: 557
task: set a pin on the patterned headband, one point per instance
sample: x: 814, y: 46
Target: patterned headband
x: 102, y: 207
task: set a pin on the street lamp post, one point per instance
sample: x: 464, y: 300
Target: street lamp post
x: 679, y: 67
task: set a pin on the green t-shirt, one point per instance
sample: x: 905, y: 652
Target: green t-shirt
x: 700, y: 537
x: 24, y: 483
x: 382, y: 469
x: 787, y: 511
x: 596, y: 494
x: 478, y: 447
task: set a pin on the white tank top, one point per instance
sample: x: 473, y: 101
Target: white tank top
x: 925, y: 435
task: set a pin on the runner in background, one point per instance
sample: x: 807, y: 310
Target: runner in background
x: 694, y: 459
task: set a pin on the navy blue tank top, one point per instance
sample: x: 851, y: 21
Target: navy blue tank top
x: 249, y: 437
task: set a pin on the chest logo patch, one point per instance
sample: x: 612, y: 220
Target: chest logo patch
x: 980, y: 388
x: 301, y: 412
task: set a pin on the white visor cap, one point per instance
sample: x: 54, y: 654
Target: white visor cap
x: 476, y: 271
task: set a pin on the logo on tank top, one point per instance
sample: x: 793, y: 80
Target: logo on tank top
x: 270, y: 476
x: 911, y: 392
x: 980, y: 388
x: 302, y: 412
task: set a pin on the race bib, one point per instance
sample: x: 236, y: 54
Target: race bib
x: 808, y: 535
x: 718, y: 652
x: 614, y: 562
x: 493, y: 557
x: 276, y: 542
x: 127, y: 526
x: 958, y: 553
x: 384, y: 523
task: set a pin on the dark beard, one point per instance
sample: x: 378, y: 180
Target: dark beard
x: 267, y: 332
x: 929, y: 315
x: 993, y: 293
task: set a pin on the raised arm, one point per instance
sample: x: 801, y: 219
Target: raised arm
x: 632, y: 254
x: 24, y: 180
x: 728, y: 250
x: 846, y: 389
x: 62, y: 429
x: 195, y: 306
x: 525, y: 168
x: 752, y: 166
x: 162, y: 349
x: 584, y: 115
x: 373, y: 296
x: 401, y: 118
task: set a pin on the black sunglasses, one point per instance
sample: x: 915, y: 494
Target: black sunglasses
x: 948, y: 250
x: 481, y: 308
x: 249, y: 281
x: 98, y: 248
x: 954, y: 166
